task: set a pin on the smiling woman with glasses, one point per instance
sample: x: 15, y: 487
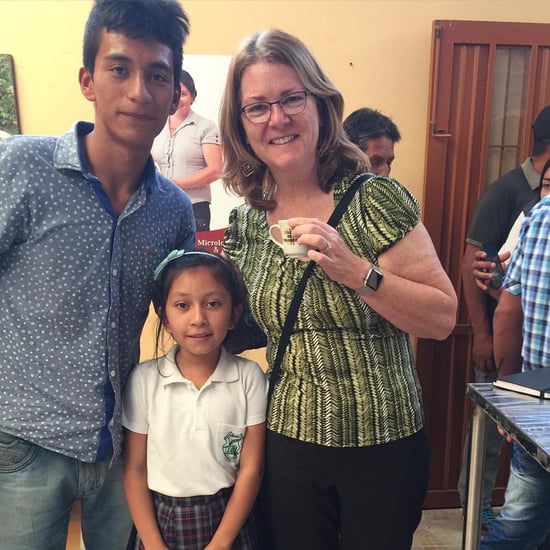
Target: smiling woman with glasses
x: 290, y: 104
x: 346, y: 451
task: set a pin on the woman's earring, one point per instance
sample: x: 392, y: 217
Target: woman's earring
x: 247, y: 169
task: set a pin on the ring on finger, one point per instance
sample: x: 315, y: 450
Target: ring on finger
x: 327, y: 248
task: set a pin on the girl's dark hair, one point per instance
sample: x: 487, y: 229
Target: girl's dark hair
x: 222, y: 269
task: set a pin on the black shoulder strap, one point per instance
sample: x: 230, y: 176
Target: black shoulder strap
x: 295, y: 304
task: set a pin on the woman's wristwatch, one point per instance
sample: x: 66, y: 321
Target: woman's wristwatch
x: 372, y: 281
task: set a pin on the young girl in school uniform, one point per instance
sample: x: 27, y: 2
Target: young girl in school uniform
x: 195, y: 418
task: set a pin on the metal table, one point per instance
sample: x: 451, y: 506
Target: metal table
x: 525, y: 418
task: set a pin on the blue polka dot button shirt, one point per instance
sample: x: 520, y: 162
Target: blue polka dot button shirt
x: 75, y: 287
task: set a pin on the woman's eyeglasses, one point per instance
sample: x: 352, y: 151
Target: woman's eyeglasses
x: 290, y: 104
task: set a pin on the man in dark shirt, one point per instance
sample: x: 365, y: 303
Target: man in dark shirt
x: 495, y: 214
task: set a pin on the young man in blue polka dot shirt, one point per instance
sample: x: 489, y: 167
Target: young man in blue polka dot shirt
x: 84, y: 219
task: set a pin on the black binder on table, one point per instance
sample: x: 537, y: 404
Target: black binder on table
x: 534, y: 382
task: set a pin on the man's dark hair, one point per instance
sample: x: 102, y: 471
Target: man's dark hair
x: 540, y: 147
x: 163, y: 21
x: 541, y: 132
x: 366, y: 123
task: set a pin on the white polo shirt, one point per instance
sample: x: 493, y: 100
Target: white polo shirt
x: 194, y: 437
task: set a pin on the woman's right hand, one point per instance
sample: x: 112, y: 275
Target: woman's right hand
x: 416, y: 294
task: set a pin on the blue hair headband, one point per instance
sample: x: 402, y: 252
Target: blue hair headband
x: 174, y: 255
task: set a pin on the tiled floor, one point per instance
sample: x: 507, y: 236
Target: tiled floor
x: 438, y: 530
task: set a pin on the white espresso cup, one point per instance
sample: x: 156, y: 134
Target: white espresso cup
x: 288, y: 243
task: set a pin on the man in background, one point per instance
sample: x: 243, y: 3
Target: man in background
x: 522, y: 342
x: 84, y: 220
x: 495, y: 214
x: 375, y: 134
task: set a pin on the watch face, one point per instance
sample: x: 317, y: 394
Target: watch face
x: 372, y: 282
x: 373, y: 278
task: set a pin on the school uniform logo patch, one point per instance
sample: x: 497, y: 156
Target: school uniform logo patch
x: 232, y: 446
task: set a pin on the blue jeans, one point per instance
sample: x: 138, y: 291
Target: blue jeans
x: 38, y: 489
x: 524, y: 521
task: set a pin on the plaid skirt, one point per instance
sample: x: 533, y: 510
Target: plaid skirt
x: 189, y: 523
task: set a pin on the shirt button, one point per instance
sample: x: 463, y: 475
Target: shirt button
x: 115, y: 272
x: 113, y: 374
x: 113, y: 324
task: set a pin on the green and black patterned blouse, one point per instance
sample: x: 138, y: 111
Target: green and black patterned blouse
x: 348, y: 377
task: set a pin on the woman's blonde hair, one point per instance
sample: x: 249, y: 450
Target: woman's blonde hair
x: 243, y: 172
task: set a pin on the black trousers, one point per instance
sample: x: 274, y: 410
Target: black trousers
x: 323, y: 498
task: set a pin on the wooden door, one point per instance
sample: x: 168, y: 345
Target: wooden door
x: 488, y: 82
